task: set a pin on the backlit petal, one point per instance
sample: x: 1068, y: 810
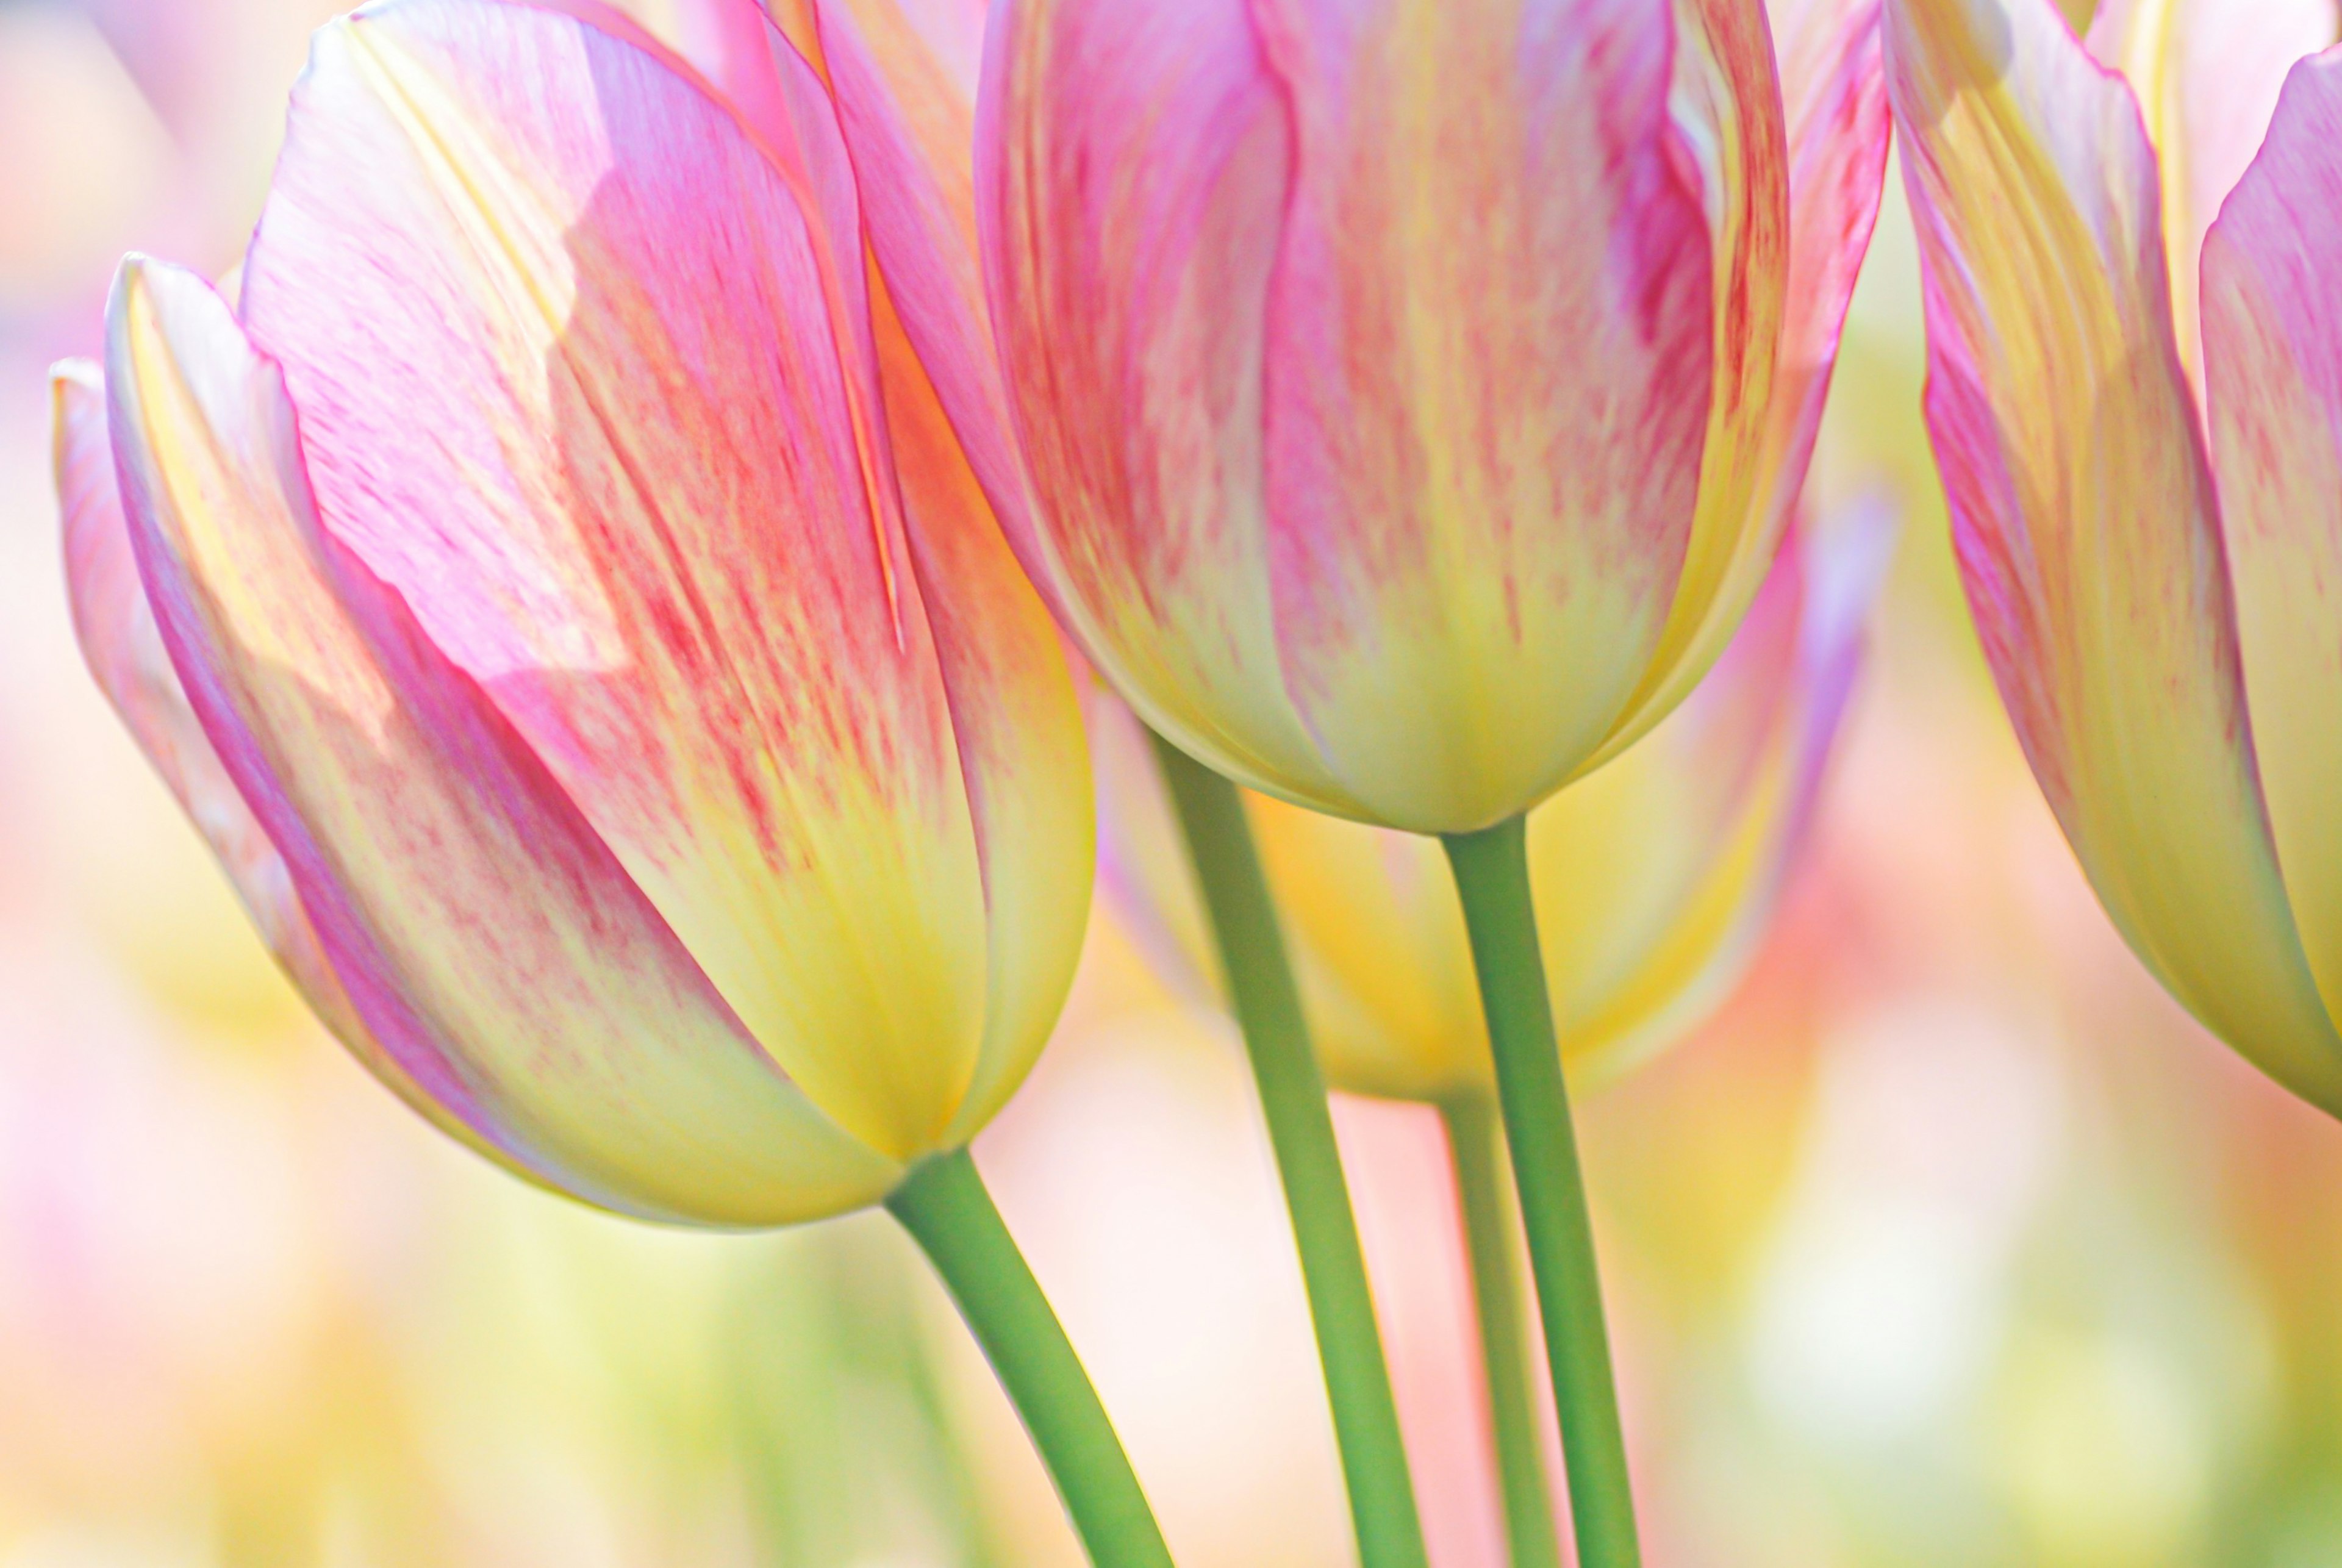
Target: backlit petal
x: 484, y: 934
x: 1132, y: 160
x: 2273, y: 362
x: 2088, y: 533
x: 1835, y: 100
x: 584, y: 371
x: 907, y: 125
x: 115, y: 627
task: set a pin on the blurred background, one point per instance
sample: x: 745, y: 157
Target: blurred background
x: 1950, y: 1241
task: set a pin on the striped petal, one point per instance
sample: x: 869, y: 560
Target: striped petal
x: 2087, y: 532
x: 1727, y: 100
x: 2273, y: 363
x: 114, y: 625
x: 1488, y: 346
x: 1132, y: 160
x: 584, y: 371
x: 906, y: 123
x: 907, y: 116
x: 1834, y: 99
x: 2206, y: 73
x: 483, y: 933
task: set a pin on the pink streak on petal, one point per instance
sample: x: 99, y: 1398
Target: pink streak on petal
x: 1131, y: 179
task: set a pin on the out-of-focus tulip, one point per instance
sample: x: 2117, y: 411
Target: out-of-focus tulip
x: 653, y: 767
x: 1656, y: 876
x: 2138, y: 409
x: 1413, y: 394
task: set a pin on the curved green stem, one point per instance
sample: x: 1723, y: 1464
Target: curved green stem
x: 945, y: 1206
x: 1475, y: 1147
x: 1301, y: 1132
x: 1491, y: 875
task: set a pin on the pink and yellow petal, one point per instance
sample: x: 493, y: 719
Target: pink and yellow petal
x: 1132, y: 161
x: 1488, y: 342
x: 2087, y: 532
x: 585, y: 372
x: 1727, y: 102
x: 2273, y: 365
x: 484, y: 934
x: 1018, y: 727
x: 123, y: 649
x: 1832, y: 153
x: 909, y: 123
x: 1834, y: 90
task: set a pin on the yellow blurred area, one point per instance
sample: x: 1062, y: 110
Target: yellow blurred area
x: 1947, y: 1242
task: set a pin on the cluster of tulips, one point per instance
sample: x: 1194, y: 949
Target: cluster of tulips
x: 633, y: 573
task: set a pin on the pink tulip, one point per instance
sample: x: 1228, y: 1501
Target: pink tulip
x: 1413, y: 394
x: 2133, y: 257
x: 550, y: 594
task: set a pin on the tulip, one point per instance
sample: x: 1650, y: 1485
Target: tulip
x: 1414, y: 395
x: 1665, y: 866
x: 2130, y: 264
x: 1411, y: 397
x: 621, y: 716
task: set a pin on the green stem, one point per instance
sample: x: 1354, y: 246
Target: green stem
x: 945, y: 1208
x: 1491, y: 875
x: 1301, y: 1132
x: 1475, y: 1146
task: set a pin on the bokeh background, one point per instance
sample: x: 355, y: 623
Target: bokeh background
x: 1950, y: 1241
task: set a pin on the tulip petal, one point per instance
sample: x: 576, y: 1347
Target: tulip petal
x: 1836, y: 152
x: 2088, y: 534
x: 2273, y: 362
x: 1833, y: 92
x: 2206, y: 73
x: 1132, y: 163
x: 909, y: 124
x: 1490, y: 340
x: 908, y: 129
x: 114, y: 625
x: 485, y: 935
x: 584, y: 371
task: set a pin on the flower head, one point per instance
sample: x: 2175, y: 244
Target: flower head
x: 648, y: 759
x: 1412, y: 395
